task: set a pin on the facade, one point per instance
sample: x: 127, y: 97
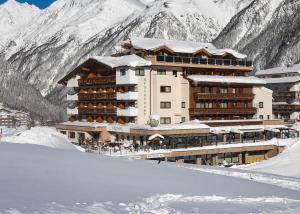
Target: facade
x: 179, y: 81
x: 8, y: 121
x: 263, y: 103
x: 285, y: 83
x: 12, y: 118
x: 23, y: 118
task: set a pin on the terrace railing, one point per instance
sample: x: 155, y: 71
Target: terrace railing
x: 98, y: 111
x: 218, y: 96
x: 225, y: 111
x: 97, y: 80
x: 97, y: 96
x: 203, y: 61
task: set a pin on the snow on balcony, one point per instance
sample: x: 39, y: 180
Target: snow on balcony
x: 73, y: 83
x: 72, y: 97
x: 128, y: 112
x: 73, y: 111
x: 128, y: 78
x: 131, y: 95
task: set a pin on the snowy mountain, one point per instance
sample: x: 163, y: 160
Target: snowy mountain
x: 267, y: 31
x: 13, y: 15
x: 61, y: 36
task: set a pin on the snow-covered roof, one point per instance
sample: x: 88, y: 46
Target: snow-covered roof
x: 127, y: 60
x: 247, y: 128
x: 181, y: 46
x: 227, y: 79
x: 291, y: 79
x: 280, y: 70
x: 88, y: 124
x: 156, y: 136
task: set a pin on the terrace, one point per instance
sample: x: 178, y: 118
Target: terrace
x: 200, y: 62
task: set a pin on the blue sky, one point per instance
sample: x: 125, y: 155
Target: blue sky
x: 39, y: 3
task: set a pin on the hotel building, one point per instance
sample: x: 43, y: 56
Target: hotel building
x: 180, y: 81
x: 285, y: 83
x: 176, y: 89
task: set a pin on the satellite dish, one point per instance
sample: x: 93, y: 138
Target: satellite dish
x: 154, y: 120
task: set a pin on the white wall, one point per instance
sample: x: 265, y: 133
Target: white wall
x: 264, y: 95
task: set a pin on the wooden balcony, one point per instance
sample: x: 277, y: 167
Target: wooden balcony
x: 286, y: 95
x: 97, y: 111
x: 198, y: 62
x: 285, y: 108
x: 219, y: 96
x: 96, y: 96
x: 222, y: 111
x: 97, y: 80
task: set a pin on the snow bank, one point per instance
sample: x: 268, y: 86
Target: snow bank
x: 44, y: 136
x: 36, y: 179
x: 286, y: 163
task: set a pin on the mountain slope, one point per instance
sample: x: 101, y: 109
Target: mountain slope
x: 13, y: 15
x: 17, y: 93
x: 267, y: 31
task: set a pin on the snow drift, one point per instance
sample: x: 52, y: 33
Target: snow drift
x: 43, y: 136
x: 37, y: 179
x: 286, y: 163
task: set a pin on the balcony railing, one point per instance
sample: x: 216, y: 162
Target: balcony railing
x: 98, y: 111
x: 127, y: 112
x: 219, y: 96
x: 72, y: 111
x: 130, y: 95
x: 225, y: 111
x: 97, y: 96
x: 286, y: 108
x: 203, y: 61
x: 287, y: 94
x: 97, y: 80
x: 72, y: 97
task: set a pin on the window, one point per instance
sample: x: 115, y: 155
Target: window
x: 261, y: 117
x: 208, y: 105
x: 182, y: 119
x: 72, y: 135
x: 234, y: 90
x: 199, y: 104
x: 81, y: 136
x: 245, y: 105
x: 139, y: 72
x: 268, y: 116
x: 261, y: 104
x: 165, y: 105
x: 165, y: 89
x: 63, y: 132
x: 122, y: 72
x: 161, y: 72
x: 182, y: 104
x: 165, y: 120
x: 223, y: 90
x: 223, y: 104
x: 204, y: 105
x: 209, y: 90
x: 174, y: 73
